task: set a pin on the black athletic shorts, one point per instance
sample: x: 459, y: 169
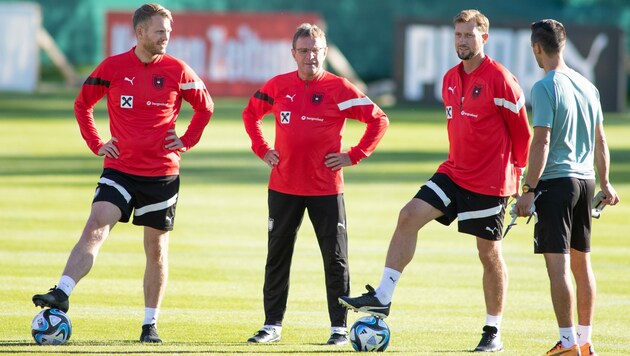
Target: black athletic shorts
x: 477, y: 214
x: 564, y: 215
x: 152, y: 199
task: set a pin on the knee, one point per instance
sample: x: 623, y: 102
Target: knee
x: 407, y: 217
x: 415, y: 214
x: 95, y: 231
x: 491, y: 257
x: 95, y: 222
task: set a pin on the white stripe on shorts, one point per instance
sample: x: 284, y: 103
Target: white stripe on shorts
x: 155, y: 207
x: 440, y: 193
x: 477, y: 214
x: 118, y: 187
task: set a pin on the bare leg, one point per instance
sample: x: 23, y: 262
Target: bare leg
x: 103, y: 217
x: 411, y: 219
x: 586, y: 286
x: 495, y: 276
x: 561, y: 287
x: 156, y: 271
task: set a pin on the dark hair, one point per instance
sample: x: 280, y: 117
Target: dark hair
x: 308, y: 30
x: 481, y: 21
x: 550, y: 34
x: 146, y: 11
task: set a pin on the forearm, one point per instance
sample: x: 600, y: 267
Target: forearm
x: 87, y: 127
x: 253, y: 127
x: 195, y: 129
x: 537, y: 157
x: 373, y: 134
x: 602, y: 162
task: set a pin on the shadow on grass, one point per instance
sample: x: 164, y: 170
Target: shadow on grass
x: 134, y: 347
x: 238, y: 167
x: 242, y: 167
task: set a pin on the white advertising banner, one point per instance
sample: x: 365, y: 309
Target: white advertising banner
x: 19, y: 55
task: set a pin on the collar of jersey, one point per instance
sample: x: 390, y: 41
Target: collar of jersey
x: 315, y: 80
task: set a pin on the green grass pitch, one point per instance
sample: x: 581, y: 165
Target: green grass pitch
x: 213, y: 301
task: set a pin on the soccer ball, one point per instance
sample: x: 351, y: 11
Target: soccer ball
x: 369, y: 334
x: 51, y: 327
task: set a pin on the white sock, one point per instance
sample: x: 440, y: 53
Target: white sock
x: 338, y: 330
x: 66, y: 284
x: 494, y: 320
x: 276, y: 328
x: 567, y: 337
x: 385, y: 290
x: 584, y: 334
x: 151, y: 316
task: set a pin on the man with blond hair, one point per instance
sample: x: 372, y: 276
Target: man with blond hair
x: 145, y: 88
x: 488, y: 136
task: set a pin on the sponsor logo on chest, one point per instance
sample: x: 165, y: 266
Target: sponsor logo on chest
x: 126, y: 102
x: 285, y: 117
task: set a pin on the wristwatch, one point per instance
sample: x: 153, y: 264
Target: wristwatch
x: 527, y: 188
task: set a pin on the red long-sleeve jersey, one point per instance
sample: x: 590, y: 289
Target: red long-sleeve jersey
x: 488, y: 130
x: 310, y: 117
x: 143, y: 102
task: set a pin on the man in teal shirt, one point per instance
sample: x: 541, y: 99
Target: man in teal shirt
x: 568, y: 141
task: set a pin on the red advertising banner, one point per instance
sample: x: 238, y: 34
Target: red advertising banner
x: 234, y: 53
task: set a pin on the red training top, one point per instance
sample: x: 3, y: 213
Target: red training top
x: 143, y: 101
x: 488, y: 130
x: 310, y: 119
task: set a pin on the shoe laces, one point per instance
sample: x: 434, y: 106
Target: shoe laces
x: 149, y: 327
x: 488, y: 335
x: 337, y: 337
x: 58, y: 293
x: 268, y: 331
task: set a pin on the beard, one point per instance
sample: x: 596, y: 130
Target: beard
x: 154, y: 48
x: 465, y: 54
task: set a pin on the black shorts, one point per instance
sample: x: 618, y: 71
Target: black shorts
x: 152, y: 199
x: 564, y: 215
x: 477, y: 214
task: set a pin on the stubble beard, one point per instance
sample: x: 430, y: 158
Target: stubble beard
x: 155, y: 49
x: 465, y: 54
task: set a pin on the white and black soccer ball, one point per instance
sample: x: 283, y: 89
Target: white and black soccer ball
x: 51, y: 327
x: 369, y: 334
